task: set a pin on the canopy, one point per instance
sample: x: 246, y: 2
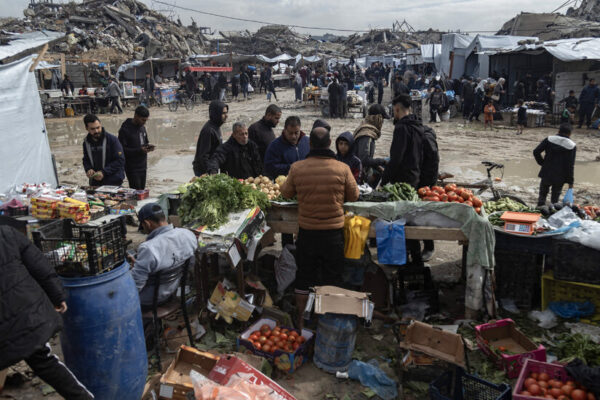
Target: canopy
x: 209, y: 69
x: 137, y: 69
x: 485, y: 43
x: 28, y: 158
x: 568, y: 50
x: 430, y: 53
x: 21, y: 42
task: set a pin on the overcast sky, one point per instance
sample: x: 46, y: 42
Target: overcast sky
x: 466, y: 15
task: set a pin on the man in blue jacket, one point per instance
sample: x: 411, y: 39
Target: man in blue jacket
x: 588, y: 99
x: 293, y: 145
x: 103, y: 158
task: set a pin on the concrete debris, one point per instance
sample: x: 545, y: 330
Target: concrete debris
x: 588, y: 10
x: 550, y: 26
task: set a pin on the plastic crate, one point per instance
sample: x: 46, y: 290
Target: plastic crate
x: 414, y: 283
x: 523, y: 244
x: 79, y: 250
x: 518, y: 277
x: 17, y: 211
x: 555, y: 371
x: 558, y: 290
x: 462, y: 386
x: 575, y: 262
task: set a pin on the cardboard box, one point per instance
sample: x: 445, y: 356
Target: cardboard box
x: 493, y: 336
x: 435, y: 343
x: 176, y: 381
x: 229, y: 304
x: 332, y: 299
x: 228, y: 366
x: 287, y: 362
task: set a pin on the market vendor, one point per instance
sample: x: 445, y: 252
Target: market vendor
x: 291, y: 146
x: 558, y: 163
x: 322, y: 185
x: 134, y: 139
x: 165, y: 249
x: 103, y: 158
x: 210, y: 136
x: 238, y: 157
x: 261, y: 132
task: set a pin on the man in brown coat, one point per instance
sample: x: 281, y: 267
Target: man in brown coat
x: 322, y: 185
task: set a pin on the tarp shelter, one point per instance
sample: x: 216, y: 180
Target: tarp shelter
x: 478, y: 59
x: 454, y: 54
x: 432, y: 54
x: 25, y: 156
x: 137, y: 69
x: 22, y: 44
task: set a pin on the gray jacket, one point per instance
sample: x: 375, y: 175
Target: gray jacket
x: 165, y: 248
x: 114, y: 90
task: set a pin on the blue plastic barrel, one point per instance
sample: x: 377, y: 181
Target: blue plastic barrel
x: 334, y: 345
x: 103, y: 335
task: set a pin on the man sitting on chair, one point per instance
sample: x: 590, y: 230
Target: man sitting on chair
x: 165, y: 249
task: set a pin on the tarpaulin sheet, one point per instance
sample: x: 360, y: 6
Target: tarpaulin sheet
x: 567, y: 50
x: 21, y: 42
x: 483, y: 43
x: 25, y: 155
x: 430, y: 53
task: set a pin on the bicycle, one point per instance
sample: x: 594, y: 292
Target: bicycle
x: 181, y: 97
x: 487, y: 183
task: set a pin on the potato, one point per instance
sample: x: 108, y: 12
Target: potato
x: 250, y: 180
x: 266, y: 180
x: 265, y: 191
x: 276, y: 186
x: 272, y: 192
x: 253, y: 186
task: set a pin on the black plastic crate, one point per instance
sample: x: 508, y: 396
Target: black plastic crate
x: 462, y: 386
x: 81, y: 250
x: 414, y: 283
x: 575, y: 262
x: 17, y: 211
x: 523, y: 243
x: 518, y: 277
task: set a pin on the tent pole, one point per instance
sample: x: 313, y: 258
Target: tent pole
x: 38, y: 58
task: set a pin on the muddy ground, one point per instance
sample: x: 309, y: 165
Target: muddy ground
x: 462, y: 148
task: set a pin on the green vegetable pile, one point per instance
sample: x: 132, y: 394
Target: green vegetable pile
x: 570, y: 346
x: 506, y: 204
x: 210, y: 199
x: 400, y: 191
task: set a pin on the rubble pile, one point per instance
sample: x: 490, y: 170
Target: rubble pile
x: 550, y: 26
x: 387, y: 41
x: 588, y: 10
x: 126, y: 26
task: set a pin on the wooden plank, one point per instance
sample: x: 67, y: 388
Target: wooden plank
x: 39, y: 58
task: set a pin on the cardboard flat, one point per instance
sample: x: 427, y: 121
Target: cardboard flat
x: 434, y: 342
x: 176, y: 382
x: 332, y: 299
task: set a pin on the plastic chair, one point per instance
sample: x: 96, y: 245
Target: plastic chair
x: 160, y: 311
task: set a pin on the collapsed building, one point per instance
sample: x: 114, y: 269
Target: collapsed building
x: 550, y: 26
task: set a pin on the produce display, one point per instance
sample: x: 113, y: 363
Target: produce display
x: 450, y: 194
x: 211, y: 198
x: 269, y: 341
x: 265, y: 185
x: 541, y: 385
x: 400, y: 191
x: 506, y: 204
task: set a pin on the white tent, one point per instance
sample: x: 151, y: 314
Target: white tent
x: 25, y: 156
x: 454, y: 54
x: 478, y: 59
x: 431, y: 53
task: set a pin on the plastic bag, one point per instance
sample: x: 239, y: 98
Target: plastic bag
x: 568, y: 199
x: 391, y: 242
x: 572, y: 309
x: 370, y: 375
x: 356, y: 231
x: 546, y: 319
x: 236, y: 389
x: 285, y: 268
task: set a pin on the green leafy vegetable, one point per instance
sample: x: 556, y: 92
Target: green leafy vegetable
x: 401, y: 191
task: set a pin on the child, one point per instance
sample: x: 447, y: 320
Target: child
x: 488, y: 112
x: 521, y: 117
x: 558, y: 163
x: 343, y: 145
x: 567, y: 115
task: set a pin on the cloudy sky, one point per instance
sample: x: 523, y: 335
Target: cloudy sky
x: 464, y: 15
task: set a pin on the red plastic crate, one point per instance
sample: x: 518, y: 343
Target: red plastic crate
x: 555, y: 371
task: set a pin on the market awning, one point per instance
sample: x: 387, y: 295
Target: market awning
x: 209, y: 69
x: 19, y: 44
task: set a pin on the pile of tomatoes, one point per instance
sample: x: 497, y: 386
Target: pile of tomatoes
x: 450, y: 194
x: 540, y: 385
x: 282, y: 339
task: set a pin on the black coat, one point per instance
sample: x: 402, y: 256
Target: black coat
x: 209, y: 138
x: 430, y: 161
x: 235, y: 160
x: 114, y: 163
x: 558, y: 162
x: 261, y: 132
x: 29, y: 290
x: 132, y: 138
x: 406, y: 153
x: 468, y: 91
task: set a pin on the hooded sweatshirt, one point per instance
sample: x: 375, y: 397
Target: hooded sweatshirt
x: 365, y: 136
x: 132, y: 138
x: 281, y: 154
x: 349, y: 159
x: 261, y: 133
x: 210, y: 137
x: 558, y: 162
x: 406, y: 153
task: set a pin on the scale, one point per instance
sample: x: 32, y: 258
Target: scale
x: 520, y: 223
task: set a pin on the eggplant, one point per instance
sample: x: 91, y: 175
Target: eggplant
x: 575, y: 209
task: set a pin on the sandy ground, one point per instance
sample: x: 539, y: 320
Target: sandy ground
x: 462, y: 148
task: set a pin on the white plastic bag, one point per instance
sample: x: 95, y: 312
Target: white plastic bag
x: 250, y: 88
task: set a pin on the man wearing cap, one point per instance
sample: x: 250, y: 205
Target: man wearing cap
x: 165, y: 248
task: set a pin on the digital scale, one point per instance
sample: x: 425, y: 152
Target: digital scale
x: 520, y: 223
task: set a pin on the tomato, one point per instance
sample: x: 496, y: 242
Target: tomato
x: 543, y: 384
x: 267, y: 334
x: 266, y: 347
x: 452, y: 196
x: 534, y: 390
x: 460, y: 199
x: 257, y: 333
x: 433, y: 197
x: 478, y: 210
x: 291, y: 338
x: 262, y: 339
x: 450, y: 187
x: 567, y: 389
x: 570, y: 383
x: 543, y: 377
x: 301, y: 339
x: 444, y: 198
x: 578, y: 394
x: 258, y: 346
x: 253, y: 337
x: 529, y: 382
x: 555, y: 392
x: 591, y: 396
x: 265, y: 328
x: 294, y: 333
x: 295, y: 346
x: 422, y: 191
x: 437, y: 189
x: 275, y: 333
x: 274, y: 349
x: 269, y: 342
x: 468, y: 203
x: 534, y: 375
x: 477, y: 202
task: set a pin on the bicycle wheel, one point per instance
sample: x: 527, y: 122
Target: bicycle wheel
x: 189, y: 104
x: 173, y: 106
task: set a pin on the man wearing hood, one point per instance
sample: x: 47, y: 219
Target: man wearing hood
x: 103, y: 158
x: 238, y: 157
x: 558, y: 163
x: 134, y: 139
x: 261, y: 132
x: 406, y: 150
x: 343, y: 146
x: 437, y: 100
x: 364, y: 144
x: 210, y: 136
x: 291, y: 146
x: 334, y: 98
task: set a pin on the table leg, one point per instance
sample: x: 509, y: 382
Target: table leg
x: 465, y: 250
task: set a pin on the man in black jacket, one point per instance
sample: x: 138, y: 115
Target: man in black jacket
x: 558, y: 163
x: 334, y: 97
x: 210, y: 136
x: 365, y: 137
x: 406, y: 150
x: 103, y: 158
x: 468, y: 94
x: 66, y: 85
x: 261, y: 132
x: 238, y: 157
x: 430, y: 162
x: 134, y: 139
x: 31, y: 298
x: 149, y: 86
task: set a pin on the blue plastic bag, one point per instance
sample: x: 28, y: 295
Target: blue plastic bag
x: 572, y: 309
x: 370, y: 375
x: 391, y: 242
x: 568, y: 199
